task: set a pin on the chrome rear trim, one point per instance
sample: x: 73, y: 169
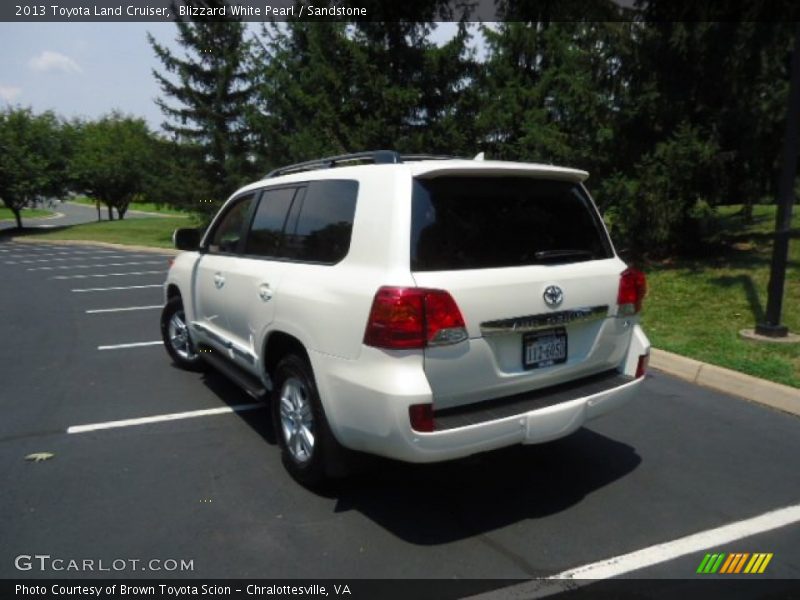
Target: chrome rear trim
x: 543, y: 321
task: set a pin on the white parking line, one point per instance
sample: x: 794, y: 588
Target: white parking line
x: 27, y: 248
x: 133, y: 345
x: 106, y: 275
x: 70, y: 253
x: 161, y: 418
x: 111, y: 310
x: 47, y: 260
x: 122, y: 287
x: 653, y: 555
x: 125, y: 264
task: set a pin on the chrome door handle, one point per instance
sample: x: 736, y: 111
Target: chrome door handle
x: 219, y: 280
x: 265, y: 292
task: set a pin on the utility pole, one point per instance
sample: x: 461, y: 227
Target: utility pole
x: 771, y: 326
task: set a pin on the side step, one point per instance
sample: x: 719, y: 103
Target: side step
x: 249, y: 383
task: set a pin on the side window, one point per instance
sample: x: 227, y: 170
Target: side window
x: 229, y: 230
x: 266, y: 232
x: 319, y: 230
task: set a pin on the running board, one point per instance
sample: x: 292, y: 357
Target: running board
x: 249, y: 383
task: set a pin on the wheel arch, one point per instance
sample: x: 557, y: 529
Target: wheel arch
x: 172, y: 291
x: 277, y: 345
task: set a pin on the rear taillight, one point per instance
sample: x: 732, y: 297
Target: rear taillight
x: 406, y: 318
x: 641, y: 366
x: 421, y: 417
x: 632, y: 288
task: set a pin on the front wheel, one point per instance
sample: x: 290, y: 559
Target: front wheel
x: 175, y: 333
x: 307, y: 445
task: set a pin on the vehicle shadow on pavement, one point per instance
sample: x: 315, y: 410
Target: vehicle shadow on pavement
x: 227, y: 391
x: 446, y: 502
x: 431, y: 504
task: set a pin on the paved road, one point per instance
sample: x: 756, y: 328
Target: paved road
x: 211, y: 489
x: 71, y: 214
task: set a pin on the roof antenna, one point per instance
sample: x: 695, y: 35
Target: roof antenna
x: 478, y: 156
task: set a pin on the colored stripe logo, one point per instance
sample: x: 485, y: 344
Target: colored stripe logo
x: 736, y: 562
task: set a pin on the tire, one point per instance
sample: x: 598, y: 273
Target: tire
x: 175, y: 334
x: 309, y: 451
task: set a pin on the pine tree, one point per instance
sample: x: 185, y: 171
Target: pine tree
x: 305, y: 106
x: 331, y: 87
x: 212, y: 90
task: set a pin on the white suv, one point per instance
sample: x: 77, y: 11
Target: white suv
x: 416, y: 307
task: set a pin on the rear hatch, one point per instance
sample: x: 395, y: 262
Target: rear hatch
x: 530, y: 265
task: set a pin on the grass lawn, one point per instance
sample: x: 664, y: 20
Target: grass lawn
x: 144, y: 206
x: 140, y: 232
x: 696, y: 307
x: 27, y: 213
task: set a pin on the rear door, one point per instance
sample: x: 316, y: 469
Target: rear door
x: 254, y: 280
x: 532, y: 270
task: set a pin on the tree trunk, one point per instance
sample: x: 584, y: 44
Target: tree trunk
x: 747, y: 210
x: 18, y: 217
x: 110, y: 213
x: 97, y: 204
x: 121, y: 212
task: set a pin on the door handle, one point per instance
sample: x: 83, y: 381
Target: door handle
x: 265, y: 292
x: 219, y: 280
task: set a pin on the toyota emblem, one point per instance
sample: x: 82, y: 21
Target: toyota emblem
x: 553, y: 296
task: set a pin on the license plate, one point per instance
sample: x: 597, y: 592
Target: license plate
x: 544, y: 348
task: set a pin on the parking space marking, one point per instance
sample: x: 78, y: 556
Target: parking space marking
x: 132, y: 345
x: 127, y: 308
x: 71, y: 253
x: 122, y: 287
x: 107, y: 275
x: 162, y: 418
x: 124, y: 264
x: 653, y: 555
x: 47, y: 260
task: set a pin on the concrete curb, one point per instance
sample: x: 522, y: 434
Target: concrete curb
x: 775, y: 395
x: 33, y: 240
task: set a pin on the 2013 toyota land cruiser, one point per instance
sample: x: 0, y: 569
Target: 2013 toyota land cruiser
x: 416, y: 307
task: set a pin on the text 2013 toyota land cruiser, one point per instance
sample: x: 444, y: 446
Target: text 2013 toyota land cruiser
x: 415, y: 307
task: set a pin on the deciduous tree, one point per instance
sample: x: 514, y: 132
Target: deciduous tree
x: 33, y: 158
x: 113, y: 158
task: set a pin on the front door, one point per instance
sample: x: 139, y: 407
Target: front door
x: 211, y: 285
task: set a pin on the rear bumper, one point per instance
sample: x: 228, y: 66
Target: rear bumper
x: 532, y: 427
x: 370, y: 413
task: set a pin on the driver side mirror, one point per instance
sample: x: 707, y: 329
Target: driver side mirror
x: 186, y: 238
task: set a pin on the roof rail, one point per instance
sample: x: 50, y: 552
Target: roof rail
x: 378, y: 157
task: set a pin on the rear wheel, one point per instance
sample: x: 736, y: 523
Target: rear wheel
x: 175, y: 333
x: 308, y: 447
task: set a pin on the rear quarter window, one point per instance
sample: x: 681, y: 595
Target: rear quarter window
x: 320, y: 224
x: 490, y: 222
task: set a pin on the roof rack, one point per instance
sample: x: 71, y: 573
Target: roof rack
x: 378, y: 157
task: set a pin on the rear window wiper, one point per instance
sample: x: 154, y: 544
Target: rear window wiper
x: 563, y: 254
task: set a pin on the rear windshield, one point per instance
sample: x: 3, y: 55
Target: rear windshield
x: 489, y: 222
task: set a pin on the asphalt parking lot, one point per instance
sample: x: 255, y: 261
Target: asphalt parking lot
x: 80, y: 352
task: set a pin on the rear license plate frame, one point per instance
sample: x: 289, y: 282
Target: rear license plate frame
x: 540, y: 339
